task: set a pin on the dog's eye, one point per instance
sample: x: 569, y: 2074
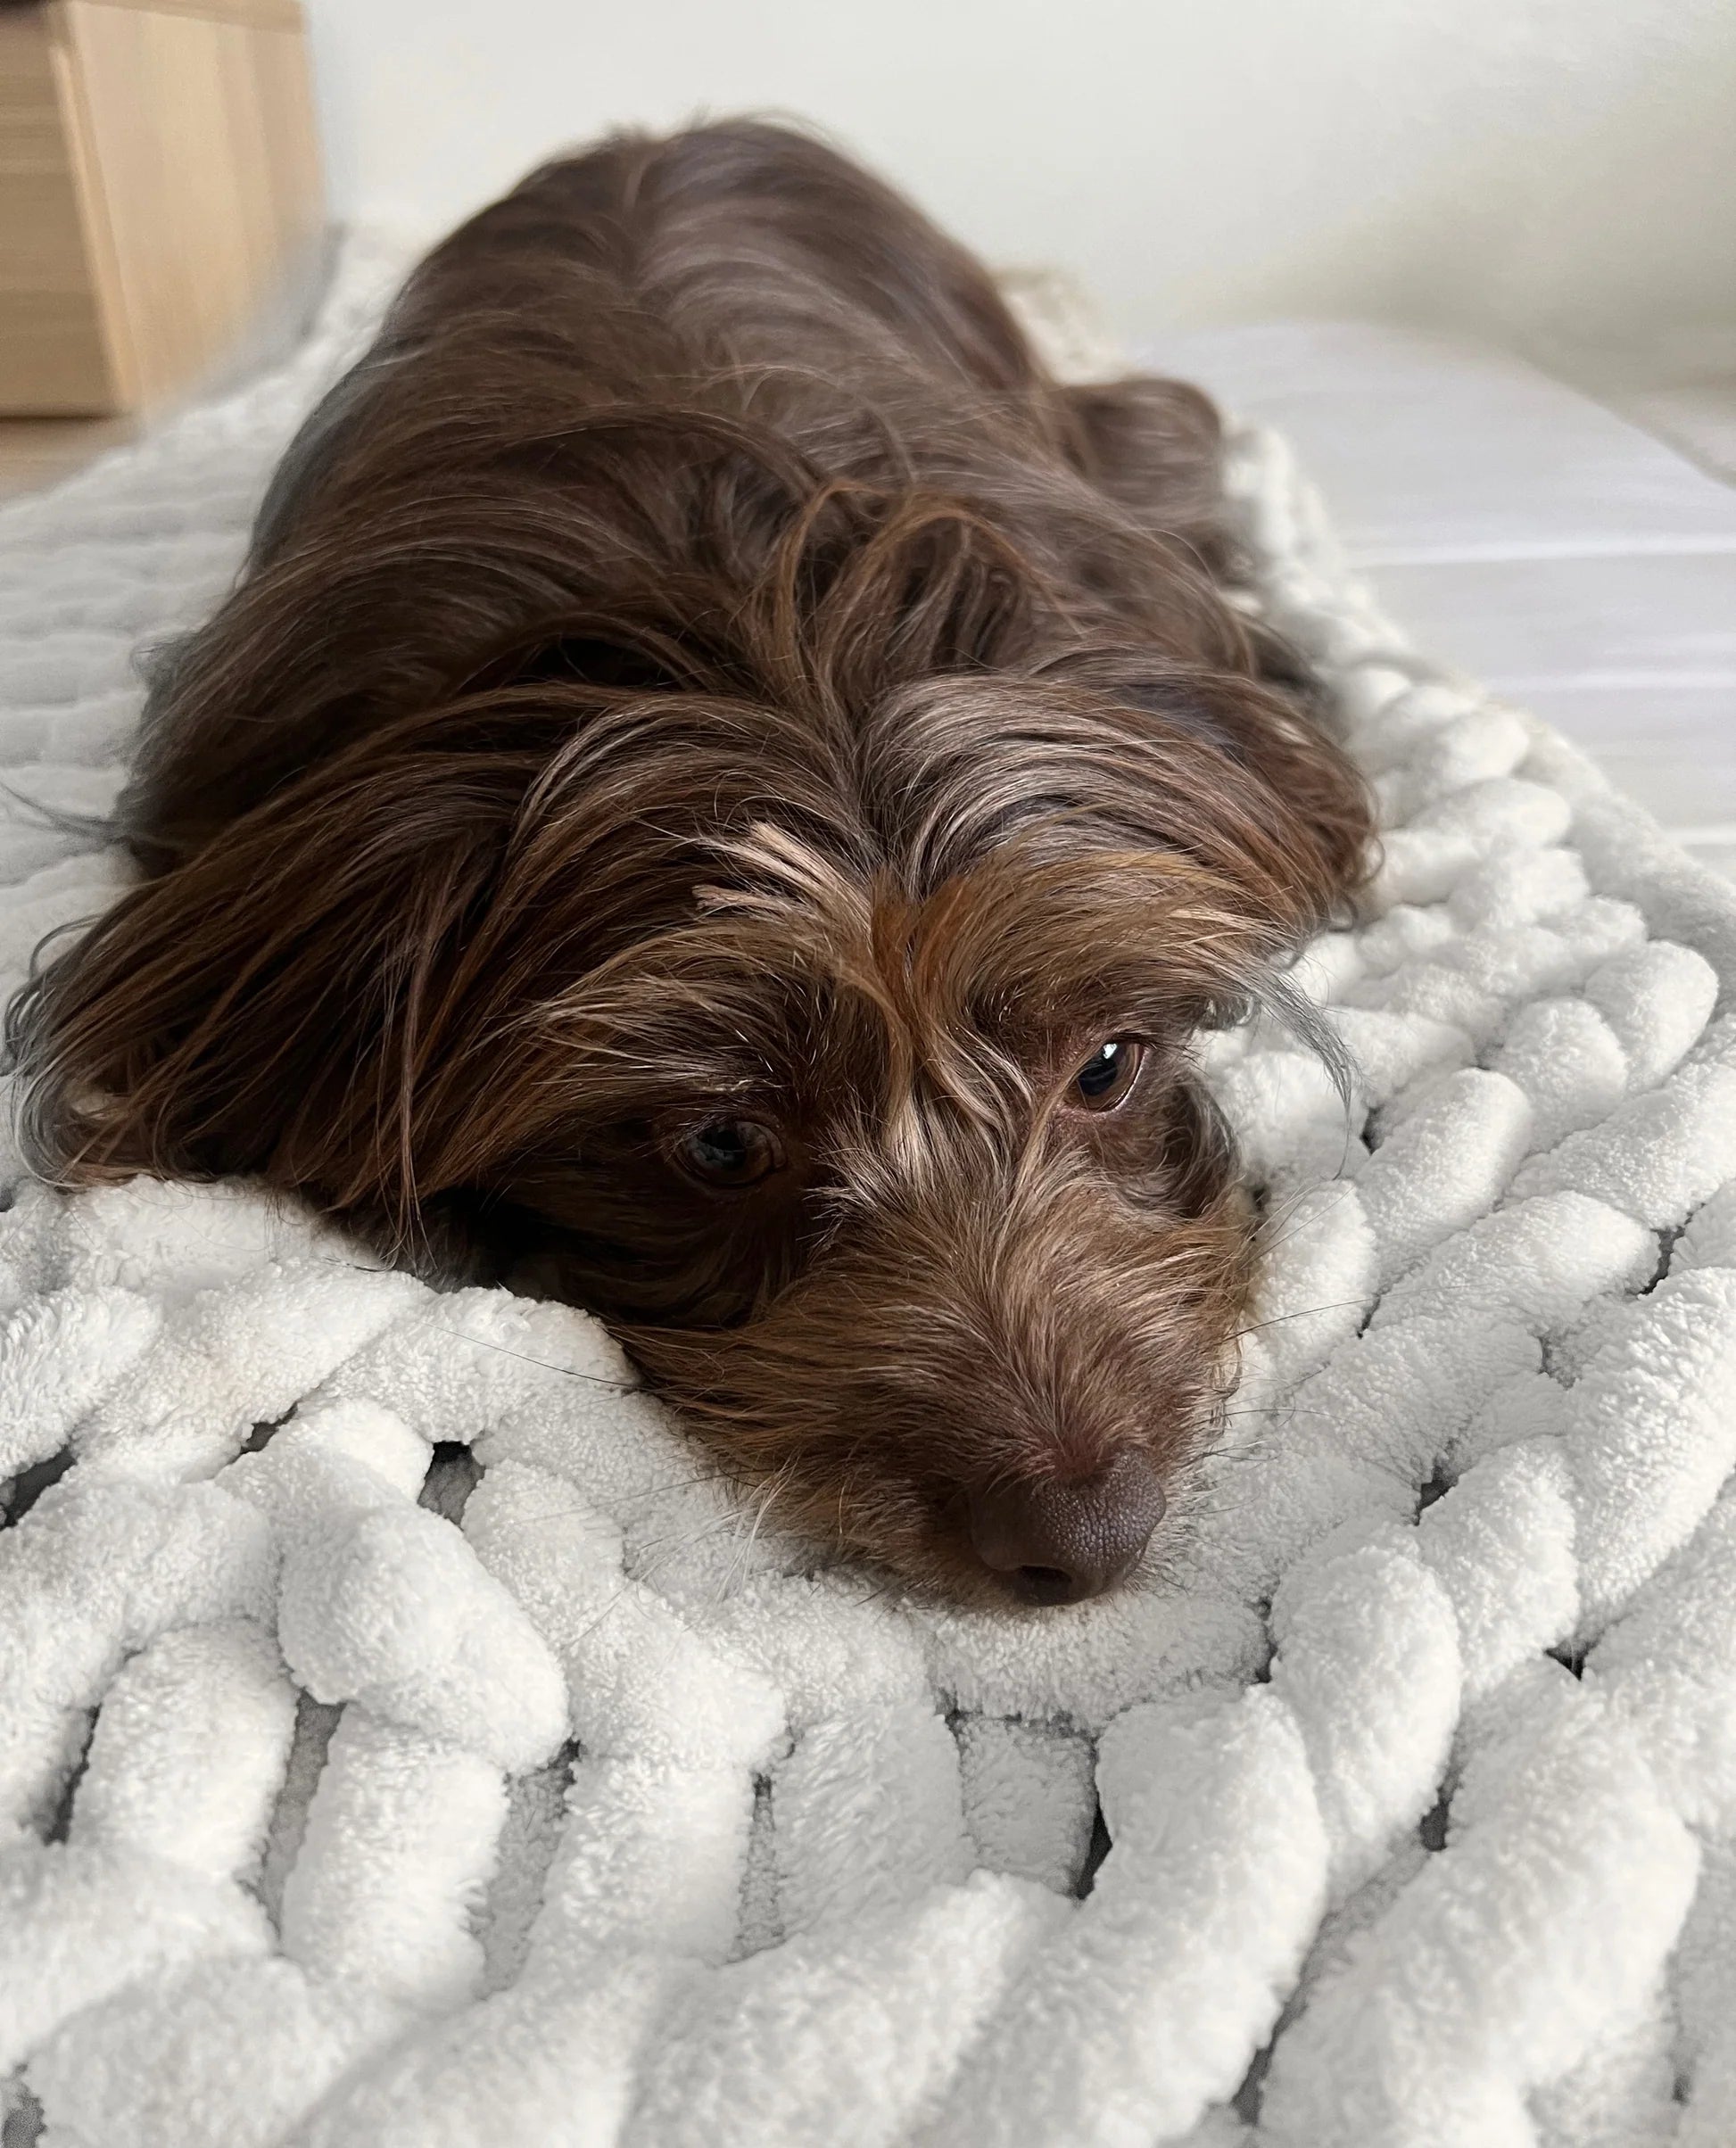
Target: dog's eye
x: 729, y: 1152
x: 1110, y: 1073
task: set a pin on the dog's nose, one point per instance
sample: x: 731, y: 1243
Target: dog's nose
x: 1058, y: 1543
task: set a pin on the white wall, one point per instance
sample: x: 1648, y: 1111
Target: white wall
x: 1560, y: 174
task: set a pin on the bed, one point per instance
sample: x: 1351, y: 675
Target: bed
x: 401, y: 1746
x: 1578, y: 566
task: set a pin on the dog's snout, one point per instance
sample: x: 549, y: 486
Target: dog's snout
x: 1058, y: 1543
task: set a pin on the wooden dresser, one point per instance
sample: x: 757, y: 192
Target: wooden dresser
x: 160, y: 205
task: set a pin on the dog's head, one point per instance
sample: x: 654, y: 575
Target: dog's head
x: 839, y: 1060
x: 885, y: 1151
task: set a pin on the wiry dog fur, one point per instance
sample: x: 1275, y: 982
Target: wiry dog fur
x: 700, y: 669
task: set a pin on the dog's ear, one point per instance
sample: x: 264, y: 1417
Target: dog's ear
x: 269, y: 1006
x: 1154, y: 446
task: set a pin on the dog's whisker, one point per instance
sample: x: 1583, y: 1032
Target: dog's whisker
x: 1306, y: 1312
x: 726, y: 1587
x: 874, y: 1596
x: 719, y: 1524
x: 567, y: 1372
x: 624, y: 1591
x: 1269, y: 1245
x: 643, y: 1576
x: 686, y: 1483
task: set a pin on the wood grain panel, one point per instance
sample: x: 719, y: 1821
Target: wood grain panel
x: 198, y: 136
x: 53, y: 353
x: 159, y: 193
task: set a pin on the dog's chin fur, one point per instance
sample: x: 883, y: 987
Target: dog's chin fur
x: 698, y: 664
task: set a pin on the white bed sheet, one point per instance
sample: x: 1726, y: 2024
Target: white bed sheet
x: 1572, y: 562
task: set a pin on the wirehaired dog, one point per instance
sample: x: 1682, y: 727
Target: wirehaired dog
x: 722, y: 795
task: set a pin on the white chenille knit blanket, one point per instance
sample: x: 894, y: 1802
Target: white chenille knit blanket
x: 455, y: 1765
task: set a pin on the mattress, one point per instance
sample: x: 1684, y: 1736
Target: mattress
x: 1575, y: 565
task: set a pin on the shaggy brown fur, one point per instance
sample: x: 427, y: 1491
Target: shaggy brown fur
x: 711, y: 744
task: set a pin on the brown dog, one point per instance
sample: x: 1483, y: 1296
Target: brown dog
x: 723, y: 797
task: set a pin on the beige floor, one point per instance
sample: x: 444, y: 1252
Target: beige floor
x: 34, y: 451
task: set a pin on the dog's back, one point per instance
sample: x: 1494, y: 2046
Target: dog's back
x: 741, y: 247
x: 669, y: 346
